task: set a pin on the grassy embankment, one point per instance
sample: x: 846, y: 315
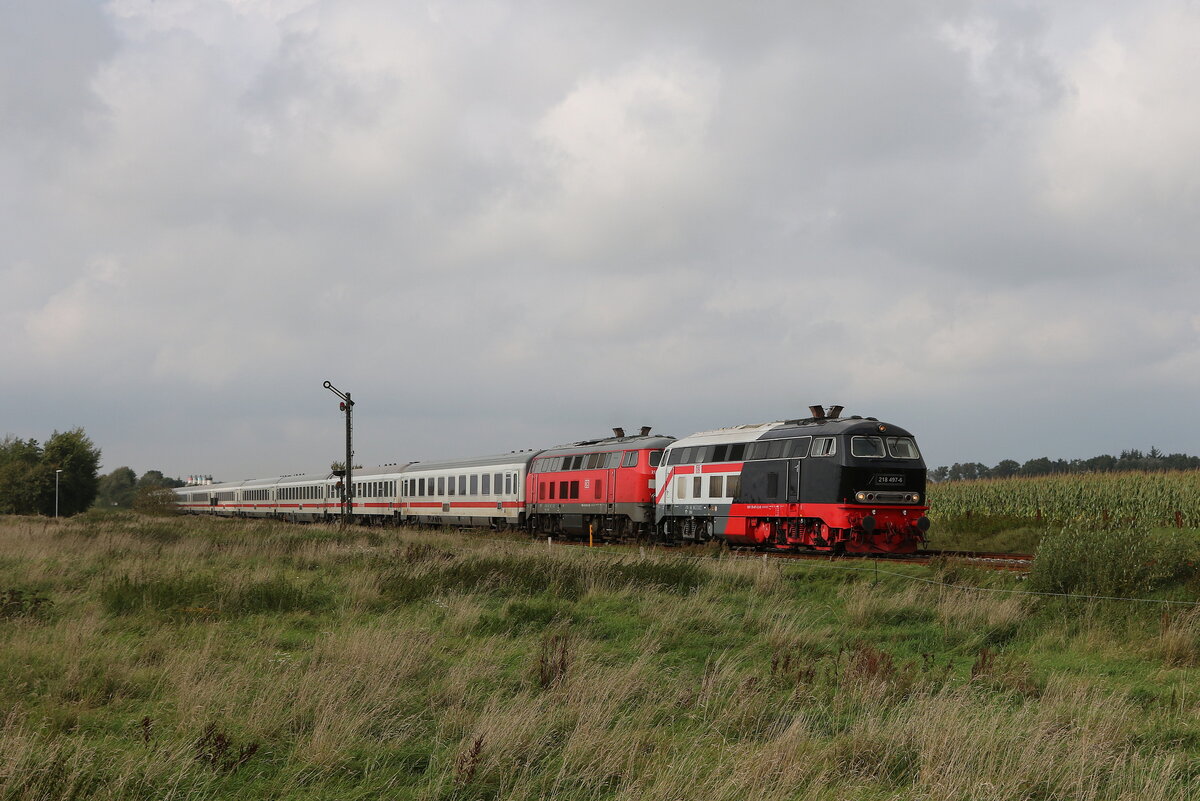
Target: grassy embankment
x: 150, y: 659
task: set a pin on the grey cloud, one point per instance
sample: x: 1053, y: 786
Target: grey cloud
x: 504, y: 226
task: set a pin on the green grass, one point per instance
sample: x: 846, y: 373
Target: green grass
x: 197, y: 659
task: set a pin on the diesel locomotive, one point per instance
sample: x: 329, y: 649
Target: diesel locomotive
x: 854, y: 485
x: 825, y: 482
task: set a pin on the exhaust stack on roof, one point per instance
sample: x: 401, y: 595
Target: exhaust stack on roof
x: 818, y: 413
x: 835, y: 411
x: 645, y: 431
x: 619, y: 432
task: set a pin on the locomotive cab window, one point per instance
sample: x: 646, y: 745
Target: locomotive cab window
x: 824, y: 446
x: 902, y: 448
x: 655, y: 458
x: 867, y: 447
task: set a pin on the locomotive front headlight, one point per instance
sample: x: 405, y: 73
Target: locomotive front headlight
x: 862, y: 496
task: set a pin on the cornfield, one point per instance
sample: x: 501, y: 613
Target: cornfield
x: 1147, y: 499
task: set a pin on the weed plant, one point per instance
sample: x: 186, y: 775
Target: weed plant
x: 211, y: 659
x: 1114, y: 562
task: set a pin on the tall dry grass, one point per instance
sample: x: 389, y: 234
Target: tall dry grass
x: 218, y: 659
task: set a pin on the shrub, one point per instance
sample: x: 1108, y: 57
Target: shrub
x: 1119, y: 562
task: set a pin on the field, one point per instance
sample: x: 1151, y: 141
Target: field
x: 148, y: 658
x: 1144, y: 499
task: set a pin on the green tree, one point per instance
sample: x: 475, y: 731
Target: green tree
x: 117, y: 488
x: 22, y: 476
x: 79, y: 459
x: 155, y: 480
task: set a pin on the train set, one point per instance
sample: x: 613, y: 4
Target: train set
x: 825, y: 482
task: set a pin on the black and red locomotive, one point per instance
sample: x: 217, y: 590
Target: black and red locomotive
x: 854, y: 485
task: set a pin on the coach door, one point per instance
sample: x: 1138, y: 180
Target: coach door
x: 610, y: 479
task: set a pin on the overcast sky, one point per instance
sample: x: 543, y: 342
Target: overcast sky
x: 510, y: 225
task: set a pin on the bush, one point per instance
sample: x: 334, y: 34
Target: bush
x: 1120, y: 562
x: 156, y: 501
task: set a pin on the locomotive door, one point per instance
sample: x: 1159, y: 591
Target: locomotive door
x: 793, y: 480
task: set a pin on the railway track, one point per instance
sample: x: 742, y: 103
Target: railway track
x: 1018, y: 562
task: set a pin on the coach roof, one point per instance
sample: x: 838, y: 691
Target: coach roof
x: 516, y: 459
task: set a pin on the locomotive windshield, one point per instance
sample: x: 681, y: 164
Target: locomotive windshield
x: 903, y: 448
x: 867, y: 447
x: 873, y: 448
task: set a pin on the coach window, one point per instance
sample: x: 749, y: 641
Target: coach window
x: 487, y: 484
x: 541, y: 490
x: 716, y: 486
x: 630, y: 459
x: 574, y: 490
x: 552, y: 485
x: 681, y: 487
x: 474, y: 485
x: 462, y: 485
x: 733, y: 486
x: 441, y: 485
x: 698, y: 487
x: 562, y: 490
x: 655, y: 458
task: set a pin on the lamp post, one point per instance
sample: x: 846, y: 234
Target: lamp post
x: 56, y: 473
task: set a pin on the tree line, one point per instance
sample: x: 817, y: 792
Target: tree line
x: 63, y: 474
x: 34, y: 477
x: 124, y: 489
x: 1153, y: 460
